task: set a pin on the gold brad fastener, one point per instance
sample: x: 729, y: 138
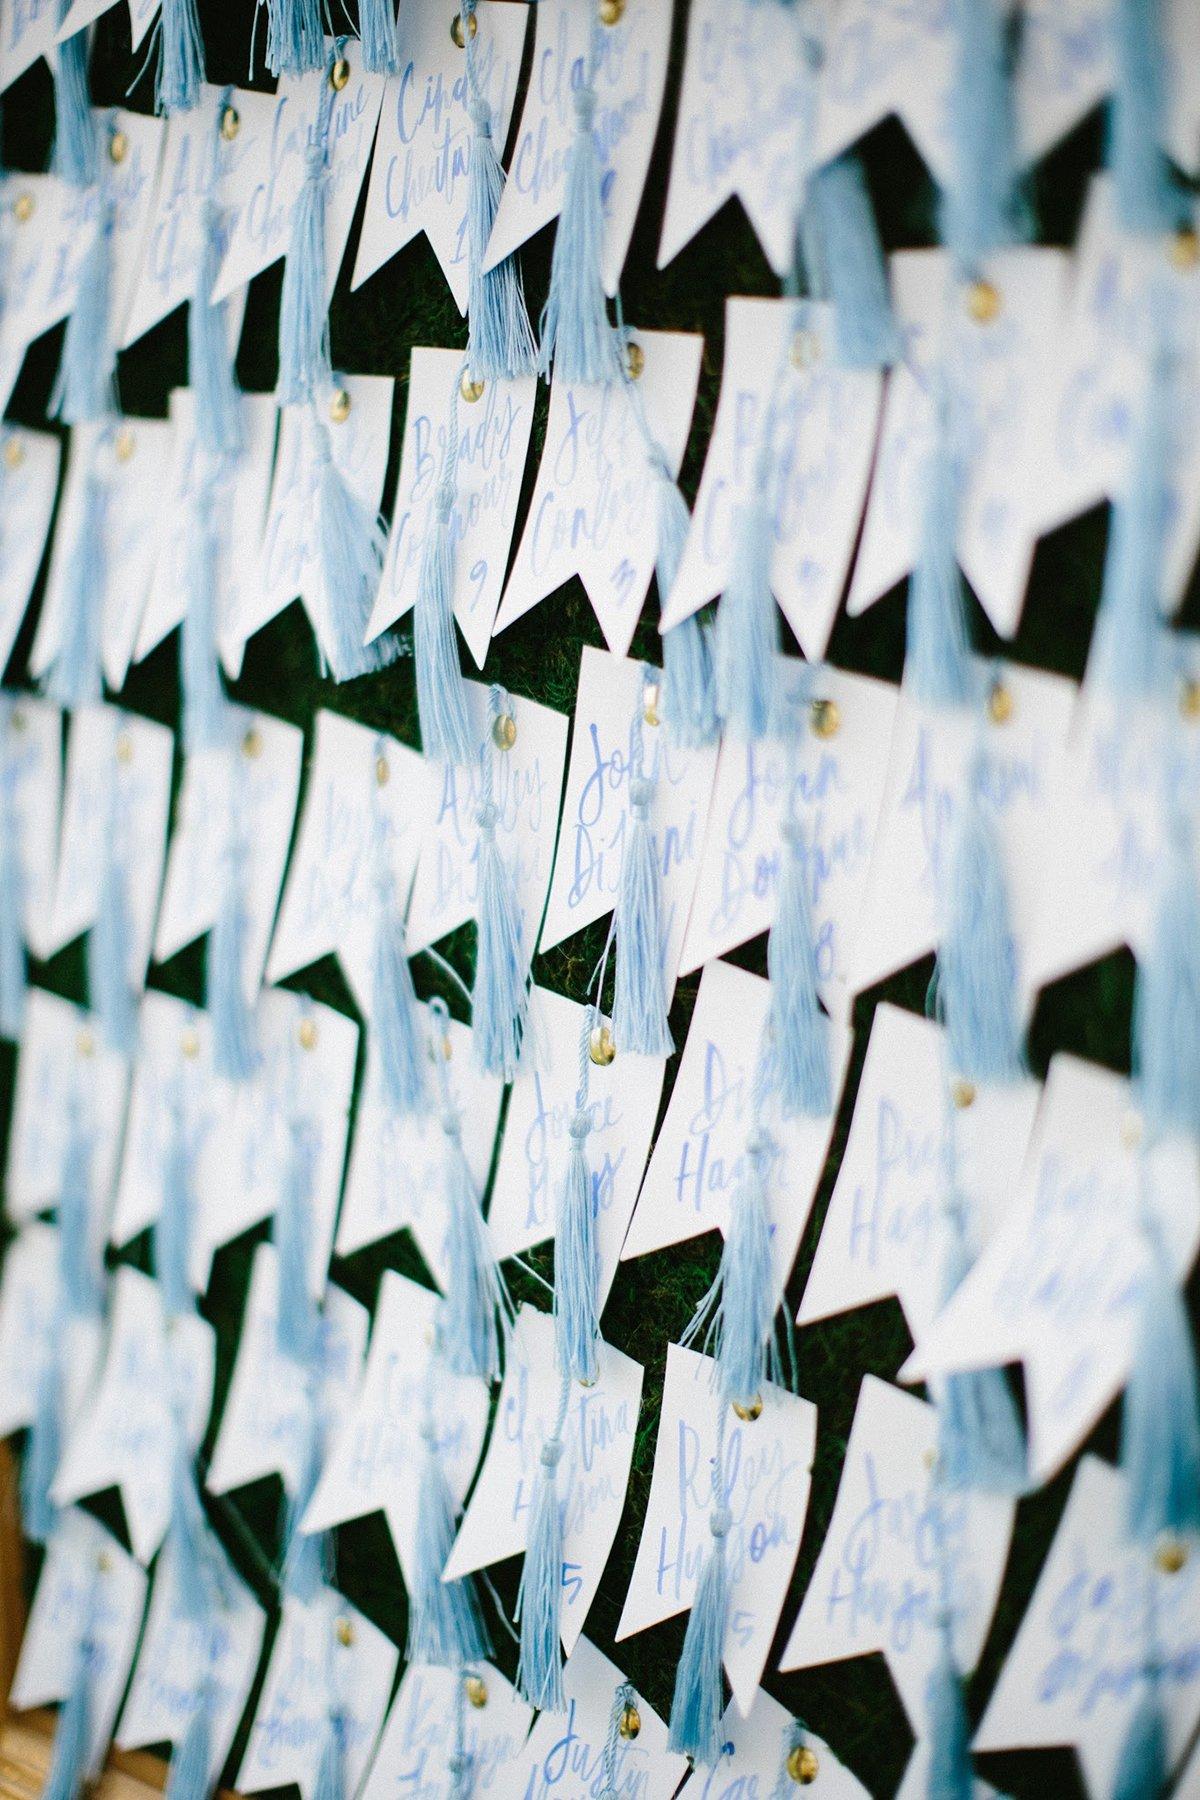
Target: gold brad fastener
x: 983, y: 302
x: 307, y: 1034
x: 457, y: 31
x: 1170, y: 1554
x: 382, y: 772
x: 477, y: 1692
x: 962, y: 1093
x: 1183, y: 248
x: 14, y: 452
x: 1189, y: 698
x: 806, y: 348
x: 630, y: 1722
x: 123, y: 749
x: 118, y: 146
x: 470, y: 389
x: 252, y: 744
x: 339, y: 75
x: 635, y: 361
x: 802, y: 1764
x: 345, y: 1632
x: 85, y: 1043
x: 751, y: 1411
x: 504, y: 731
x: 189, y: 1043
x: 651, y: 694
x: 1000, y: 702
x: 339, y: 406
x: 124, y: 444
x: 612, y: 11
x: 826, y: 718
x: 601, y: 1045
x: 231, y: 123
x: 23, y: 207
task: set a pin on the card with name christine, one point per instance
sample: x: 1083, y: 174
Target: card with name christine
x: 432, y: 1721
x: 895, y: 1544
x: 374, y: 1460
x: 597, y: 1438
x: 1058, y: 1286
x: 760, y: 1470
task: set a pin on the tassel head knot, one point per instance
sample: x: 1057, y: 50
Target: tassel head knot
x: 580, y: 1126
x: 487, y: 818
x: 552, y: 1453
x: 444, y: 502
x: 719, y: 1523
x: 641, y: 793
x: 585, y: 108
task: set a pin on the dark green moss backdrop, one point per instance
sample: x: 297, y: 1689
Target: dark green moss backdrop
x: 852, y: 1704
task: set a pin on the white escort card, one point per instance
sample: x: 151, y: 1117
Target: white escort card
x: 421, y: 169
x: 1000, y: 370
x: 79, y: 13
x: 566, y: 1757
x: 56, y: 229
x: 397, y: 1173
x: 882, y: 58
x: 700, y: 1154
x: 186, y: 1664
x: 1056, y: 1289
x: 366, y: 811
x: 29, y: 465
x: 330, y: 1670
x: 596, y: 504
x: 526, y: 789
x: 1072, y: 1676
x: 301, y: 1088
x: 895, y: 1546
x: 763, y: 1480
x: 36, y: 1338
x: 27, y: 30
x: 202, y: 167
x: 65, y: 1069
x: 423, y: 1735
x: 125, y: 459
x: 1063, y: 70
x: 834, y: 775
x: 374, y: 1461
x: 154, y: 1373
x: 908, y: 1150
x: 233, y: 491
x: 236, y: 804
x: 267, y: 1420
x: 90, y: 1592
x: 1019, y: 729
x: 597, y: 1439
x: 31, y: 779
x: 745, y: 103
x: 290, y: 564
x: 492, y: 434
x: 756, y: 1749
x: 779, y: 381
x: 622, y: 1107
x: 587, y: 865
x: 259, y: 203
x: 625, y: 61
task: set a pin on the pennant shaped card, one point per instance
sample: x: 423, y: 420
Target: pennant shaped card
x: 31, y: 778
x: 756, y: 1750
x: 577, y: 1747
x: 65, y: 1069
x: 432, y: 1721
x: 29, y: 469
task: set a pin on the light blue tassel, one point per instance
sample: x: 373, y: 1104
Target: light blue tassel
x: 113, y: 998
x: 441, y: 696
x: 351, y: 542
x: 220, y: 428
x: 1160, y: 1422
x: 951, y: 1776
x: 75, y: 678
x: 577, y: 338
x: 304, y: 365
x: 84, y: 388
x: 845, y: 264
x: 39, y: 1465
x: 937, y: 666
x: 206, y: 716
x: 1166, y: 1012
x: 173, y: 1227
x: 477, y: 1308
x: 295, y: 36
x: 445, y: 1624
x: 738, y: 1311
x: 395, y: 1021
x: 500, y: 342
x: 978, y: 208
x: 1146, y: 195
x: 748, y: 627
x: 330, y: 1783
x: 690, y: 692
x: 377, y: 34
x: 577, y: 1260
x: 1129, y: 642
x: 80, y: 1273
x: 799, y: 1040
x: 297, y: 1322
x: 1144, y: 1763
x: 500, y: 995
x: 698, y: 1703
x: 981, y: 1446
x: 75, y: 156
x: 976, y: 979
x: 72, y: 1735
x: 12, y: 913
x: 539, y: 1665
x: 187, y: 1777
x: 639, y: 1018
x: 187, y: 1534
x: 307, y: 1556
x: 180, y: 58
x: 234, y: 1049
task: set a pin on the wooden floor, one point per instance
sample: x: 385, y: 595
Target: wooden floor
x: 25, y: 1759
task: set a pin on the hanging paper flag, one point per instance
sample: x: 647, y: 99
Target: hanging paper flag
x: 65, y: 1067
x: 126, y: 1437
x: 449, y: 1725
x: 29, y: 470
x: 30, y: 803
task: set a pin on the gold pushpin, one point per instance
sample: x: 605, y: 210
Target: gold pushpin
x: 307, y: 1034
x: 751, y: 1411
x: 470, y: 390
x: 339, y: 406
x: 477, y: 1692
x: 826, y: 717
x: 601, y: 1046
x: 983, y: 302
x: 802, y: 1765
x: 635, y: 361
x: 231, y: 124
x: 339, y: 75
x: 504, y: 731
x: 458, y: 33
